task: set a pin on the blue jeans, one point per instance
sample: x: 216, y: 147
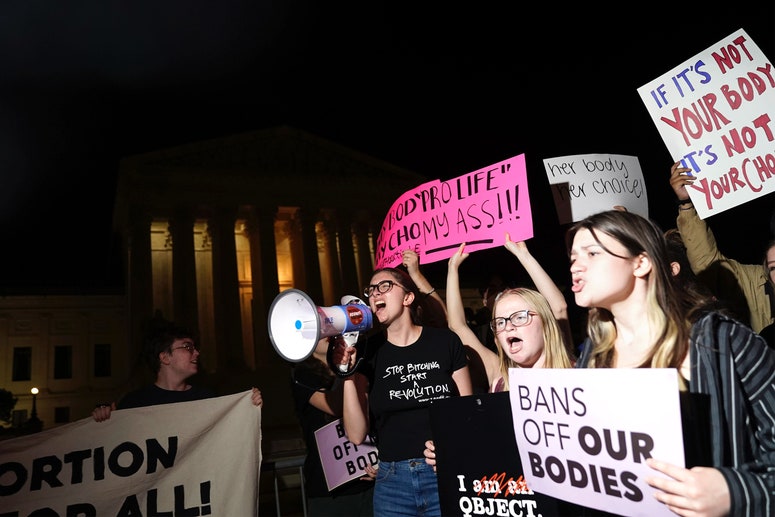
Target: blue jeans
x: 406, y: 487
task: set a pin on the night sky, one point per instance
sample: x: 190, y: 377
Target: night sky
x: 440, y: 91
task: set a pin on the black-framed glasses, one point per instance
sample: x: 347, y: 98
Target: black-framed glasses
x: 188, y: 347
x: 517, y: 319
x: 382, y: 287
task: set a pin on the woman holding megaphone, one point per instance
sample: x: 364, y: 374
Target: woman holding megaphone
x: 411, y: 366
x: 317, y: 396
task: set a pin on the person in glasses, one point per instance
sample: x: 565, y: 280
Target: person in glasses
x: 408, y: 367
x: 530, y: 328
x: 173, y: 355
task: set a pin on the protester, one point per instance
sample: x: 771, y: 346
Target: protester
x: 620, y: 271
x: 173, y: 356
x: 411, y: 366
x: 317, y: 394
x: 697, y: 297
x: 530, y: 328
x: 527, y: 327
x: 727, y: 278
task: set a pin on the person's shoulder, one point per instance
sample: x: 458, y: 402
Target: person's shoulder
x: 201, y: 392
x: 438, y: 332
x: 441, y: 334
x: 137, y: 398
x: 714, y: 317
x: 721, y: 330
x: 499, y: 385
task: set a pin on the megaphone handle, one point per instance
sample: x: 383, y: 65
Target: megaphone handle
x: 334, y: 342
x: 350, y: 338
x: 345, y: 366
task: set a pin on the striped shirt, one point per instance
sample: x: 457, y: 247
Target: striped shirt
x: 736, y: 369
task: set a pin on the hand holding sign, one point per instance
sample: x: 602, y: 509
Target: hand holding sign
x: 574, y: 448
x: 680, y: 178
x: 707, y: 486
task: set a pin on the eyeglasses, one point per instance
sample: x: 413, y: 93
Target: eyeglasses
x: 382, y: 287
x: 517, y: 319
x: 188, y: 347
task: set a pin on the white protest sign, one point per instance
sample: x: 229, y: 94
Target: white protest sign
x: 342, y: 460
x: 585, y: 184
x: 190, y: 458
x: 584, y: 434
x: 714, y: 113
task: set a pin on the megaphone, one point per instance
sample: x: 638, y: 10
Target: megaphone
x: 296, y: 324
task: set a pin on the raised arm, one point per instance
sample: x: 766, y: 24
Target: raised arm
x: 355, y: 399
x: 456, y: 317
x: 726, y: 277
x: 543, y: 282
x: 434, y: 310
x: 355, y: 408
x: 701, y: 248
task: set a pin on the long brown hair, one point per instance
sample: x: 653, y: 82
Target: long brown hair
x: 664, y: 307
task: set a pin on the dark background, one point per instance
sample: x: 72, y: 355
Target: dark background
x: 441, y: 89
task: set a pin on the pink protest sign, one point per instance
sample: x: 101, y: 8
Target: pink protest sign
x: 341, y: 459
x: 477, y: 208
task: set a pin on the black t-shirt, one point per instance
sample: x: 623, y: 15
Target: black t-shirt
x: 152, y: 395
x: 307, y: 379
x: 406, y: 380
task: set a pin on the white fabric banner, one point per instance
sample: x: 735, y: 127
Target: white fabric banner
x: 186, y: 459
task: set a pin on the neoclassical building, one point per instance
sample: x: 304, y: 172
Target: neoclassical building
x: 213, y: 231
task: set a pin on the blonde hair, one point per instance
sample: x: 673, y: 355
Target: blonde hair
x: 555, y: 344
x: 663, y: 308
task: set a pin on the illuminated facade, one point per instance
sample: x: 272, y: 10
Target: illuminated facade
x: 214, y: 230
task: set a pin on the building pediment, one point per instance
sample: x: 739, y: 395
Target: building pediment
x: 280, y: 166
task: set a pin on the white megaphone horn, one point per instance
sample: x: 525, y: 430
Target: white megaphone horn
x: 296, y: 324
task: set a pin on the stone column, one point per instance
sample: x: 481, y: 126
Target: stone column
x: 365, y: 260
x: 350, y: 281
x: 139, y: 281
x: 184, y: 291
x: 226, y: 299
x: 266, y: 285
x: 304, y: 252
x: 330, y: 273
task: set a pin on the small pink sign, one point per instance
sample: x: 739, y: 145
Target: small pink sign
x: 341, y: 459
